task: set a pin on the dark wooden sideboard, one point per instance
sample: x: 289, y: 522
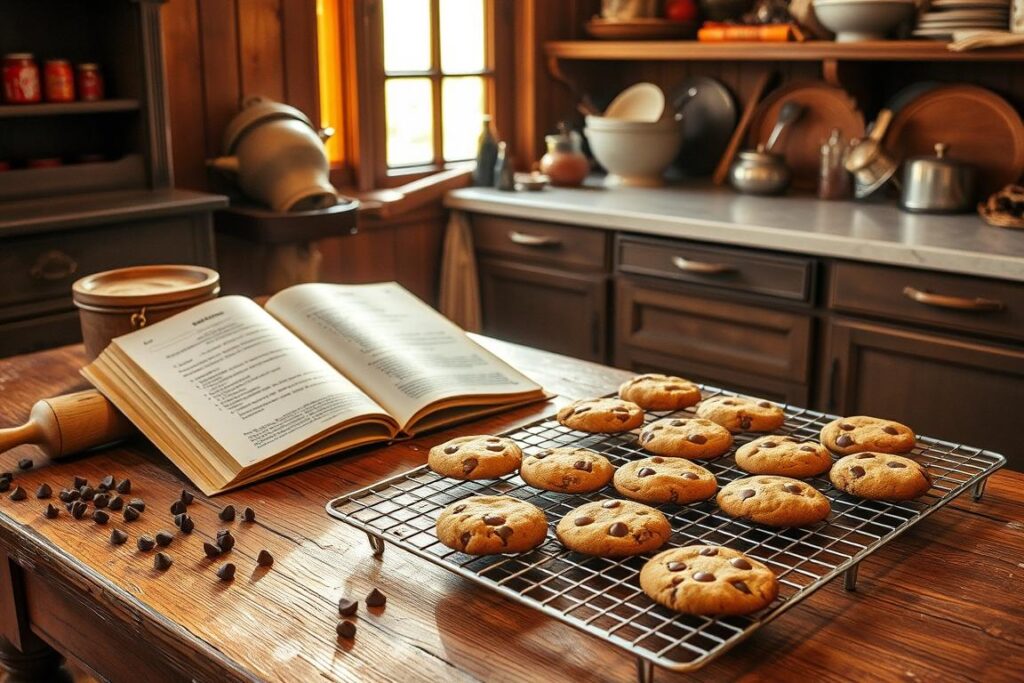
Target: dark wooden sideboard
x: 841, y: 336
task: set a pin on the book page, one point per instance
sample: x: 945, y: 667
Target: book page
x: 244, y: 378
x: 398, y: 349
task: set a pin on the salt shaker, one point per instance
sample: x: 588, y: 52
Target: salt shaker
x: 833, y: 178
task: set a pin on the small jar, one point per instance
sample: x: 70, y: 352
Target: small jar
x: 565, y: 164
x: 59, y: 81
x: 89, y: 82
x: 21, y: 79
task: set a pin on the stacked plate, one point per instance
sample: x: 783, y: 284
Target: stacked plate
x: 946, y: 16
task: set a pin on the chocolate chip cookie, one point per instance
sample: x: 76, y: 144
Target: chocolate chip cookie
x: 773, y: 501
x: 783, y: 455
x: 880, y: 476
x: 665, y: 480
x: 489, y: 525
x: 708, y: 580
x: 660, y: 392
x: 685, y: 437
x: 567, y: 469
x: 475, y: 457
x: 601, y: 415
x: 742, y: 414
x: 613, y: 528
x: 862, y: 433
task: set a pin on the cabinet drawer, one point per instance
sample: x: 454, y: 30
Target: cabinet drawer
x: 964, y: 303
x: 740, y: 270
x: 541, y: 242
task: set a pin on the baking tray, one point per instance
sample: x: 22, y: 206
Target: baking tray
x: 602, y: 596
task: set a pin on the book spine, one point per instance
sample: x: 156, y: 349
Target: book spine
x: 716, y: 33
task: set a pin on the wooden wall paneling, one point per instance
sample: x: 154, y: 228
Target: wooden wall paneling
x: 221, y: 77
x: 261, y: 51
x: 299, y: 44
x: 184, y: 63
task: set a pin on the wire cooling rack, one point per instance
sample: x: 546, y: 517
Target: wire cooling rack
x: 602, y: 596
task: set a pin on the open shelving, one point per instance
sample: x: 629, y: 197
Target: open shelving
x: 12, y: 111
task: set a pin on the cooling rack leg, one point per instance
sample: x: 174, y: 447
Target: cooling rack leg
x: 979, y: 489
x: 850, y: 578
x: 644, y: 671
x: 377, y: 544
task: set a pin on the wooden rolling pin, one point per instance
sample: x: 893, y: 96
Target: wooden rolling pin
x: 69, y: 424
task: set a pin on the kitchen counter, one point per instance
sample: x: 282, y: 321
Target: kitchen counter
x: 861, y: 231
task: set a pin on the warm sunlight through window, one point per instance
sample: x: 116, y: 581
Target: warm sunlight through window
x: 329, y: 55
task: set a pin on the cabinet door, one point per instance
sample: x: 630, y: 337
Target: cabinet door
x: 946, y: 387
x: 545, y: 308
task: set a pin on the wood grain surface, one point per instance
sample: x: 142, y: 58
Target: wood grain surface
x: 944, y: 602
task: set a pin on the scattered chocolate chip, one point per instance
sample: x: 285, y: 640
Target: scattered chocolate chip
x: 25, y: 464
x: 376, y: 599
x: 583, y: 466
x: 222, y: 532
x: 698, y: 439
x: 186, y: 525
x: 80, y: 482
x: 346, y: 629
x: 116, y: 503
x: 469, y: 464
x: 248, y: 515
x: 51, y: 512
x: 347, y: 608
x: 87, y: 492
x: 130, y: 514
x: 857, y: 471
x: 187, y: 497
x: 846, y: 426
x: 740, y: 586
x: 459, y: 508
x: 895, y: 465
x: 610, y: 504
x: 177, y: 507
x: 78, y: 509
x: 18, y: 493
x: 675, y: 566
x: 494, y: 520
x: 118, y: 537
x: 101, y: 500
x: 690, y: 475
x: 100, y: 517
x: 768, y: 444
x: 162, y: 562
x: 708, y: 552
x: 264, y: 559
x: 225, y: 541
x: 746, y: 493
x: 138, y: 504
x: 740, y: 563
x: 703, y: 577
x: 583, y: 521
x: 72, y: 496
x: 145, y: 543
x: 618, y: 530
x: 69, y: 506
x: 107, y: 482
x: 889, y: 429
x: 793, y: 488
x: 645, y: 472
x: 177, y: 519
x: 211, y: 550
x: 227, y: 513
x: 504, y: 533
x: 124, y: 486
x: 226, y: 572
x: 163, y: 539
x: 5, y: 485
x: 44, y: 491
x: 844, y: 441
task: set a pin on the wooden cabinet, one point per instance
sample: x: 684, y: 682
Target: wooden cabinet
x: 949, y: 387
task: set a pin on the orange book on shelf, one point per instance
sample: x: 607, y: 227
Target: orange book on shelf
x: 713, y: 32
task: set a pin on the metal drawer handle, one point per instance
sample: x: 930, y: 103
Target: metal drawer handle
x: 700, y: 266
x: 961, y: 303
x: 527, y: 240
x: 53, y: 265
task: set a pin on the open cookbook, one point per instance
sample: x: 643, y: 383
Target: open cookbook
x: 232, y: 392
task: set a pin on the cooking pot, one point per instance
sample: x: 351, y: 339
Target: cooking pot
x: 759, y: 172
x: 277, y: 157
x: 869, y: 163
x: 937, y: 184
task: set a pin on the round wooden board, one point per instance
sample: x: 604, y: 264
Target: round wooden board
x: 825, y: 107
x: 640, y: 29
x: 979, y: 126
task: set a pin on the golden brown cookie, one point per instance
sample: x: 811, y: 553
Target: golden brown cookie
x: 685, y: 437
x: 742, y: 414
x: 489, y: 525
x: 601, y: 415
x: 660, y: 392
x: 773, y: 501
x: 613, y: 528
x: 665, y: 480
x: 567, y: 469
x: 880, y: 476
x: 862, y: 433
x: 783, y: 455
x: 475, y: 457
x: 709, y: 580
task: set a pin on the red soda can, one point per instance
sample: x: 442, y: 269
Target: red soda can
x: 90, y: 82
x: 59, y: 81
x: 21, y: 79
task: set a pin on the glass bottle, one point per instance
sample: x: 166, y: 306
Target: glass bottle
x: 486, y: 156
x: 833, y: 179
x: 504, y: 172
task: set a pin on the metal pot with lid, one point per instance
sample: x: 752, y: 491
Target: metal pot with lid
x: 937, y: 184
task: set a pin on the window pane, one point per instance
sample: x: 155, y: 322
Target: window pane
x: 410, y: 118
x: 462, y: 106
x: 406, y: 35
x: 462, y: 36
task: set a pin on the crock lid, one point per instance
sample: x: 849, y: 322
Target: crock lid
x: 255, y: 110
x: 145, y: 285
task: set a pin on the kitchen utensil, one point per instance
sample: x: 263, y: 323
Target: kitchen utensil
x: 759, y: 172
x: 69, y: 424
x: 640, y: 29
x: 825, y: 107
x: 564, y: 163
x: 707, y: 122
x: 788, y: 115
x: 643, y: 102
x: 857, y: 20
x: 635, y: 156
x: 725, y: 161
x: 872, y: 167
x: 937, y: 184
x: 983, y: 128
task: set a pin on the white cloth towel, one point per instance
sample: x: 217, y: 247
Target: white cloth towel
x: 459, y: 297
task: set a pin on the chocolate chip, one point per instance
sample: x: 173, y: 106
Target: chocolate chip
x: 465, y: 538
x: 162, y: 562
x: 611, y: 504
x: 765, y: 404
x: 493, y: 439
x: 793, y: 488
x: 889, y: 429
x: 703, y: 577
x: 163, y: 539
x: 729, y: 402
x: 745, y: 421
x: 496, y: 448
x: 542, y: 455
x: 125, y: 486
x: 227, y: 513
x: 658, y: 459
x: 580, y: 410
x: 746, y: 493
x: 504, y: 533
x: 80, y: 482
x: 451, y: 449
x: 78, y: 509
x: 100, y: 517
x: 583, y: 521
x: 469, y: 464
x: 7, y: 475
x: 25, y: 464
x: 347, y: 608
x: 187, y: 497
x: 101, y: 500
x: 698, y: 439
x: 895, y: 465
x: 116, y: 503
x: 844, y: 441
x: 618, y: 530
x: 846, y: 426
x: 18, y: 493
x: 768, y: 444
x: 645, y: 472
x: 740, y: 586
x: 145, y: 543
x: 44, y: 491
x: 226, y: 541
x: 677, y: 423
x: 5, y: 485
x: 69, y: 496
x: 186, y: 525
x: 494, y: 520
x: 675, y: 566
x: 138, y: 504
x: 177, y: 507
x: 809, y: 449
x: 87, y: 492
x: 248, y: 515
x: 130, y: 514
x: 118, y: 537
x: 177, y: 519
x: 264, y: 559
x: 226, y: 572
x: 210, y: 549
x: 346, y: 629
x: 459, y: 508
x: 689, y: 475
x: 376, y: 599
x: 51, y: 512
x: 857, y: 471
x: 648, y: 437
x: 865, y: 456
x: 583, y: 465
x: 709, y: 552
x: 740, y: 563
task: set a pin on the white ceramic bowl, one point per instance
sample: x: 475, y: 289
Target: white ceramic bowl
x: 619, y: 125
x: 635, y: 157
x: 640, y: 102
x: 856, y: 20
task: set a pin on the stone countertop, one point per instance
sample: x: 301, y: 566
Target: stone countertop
x: 875, y: 232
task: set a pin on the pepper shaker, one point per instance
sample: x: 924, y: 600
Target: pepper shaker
x: 504, y: 173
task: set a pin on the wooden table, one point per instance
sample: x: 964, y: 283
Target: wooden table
x: 943, y: 602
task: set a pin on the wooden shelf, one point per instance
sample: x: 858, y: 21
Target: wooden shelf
x: 10, y: 111
x: 811, y: 51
